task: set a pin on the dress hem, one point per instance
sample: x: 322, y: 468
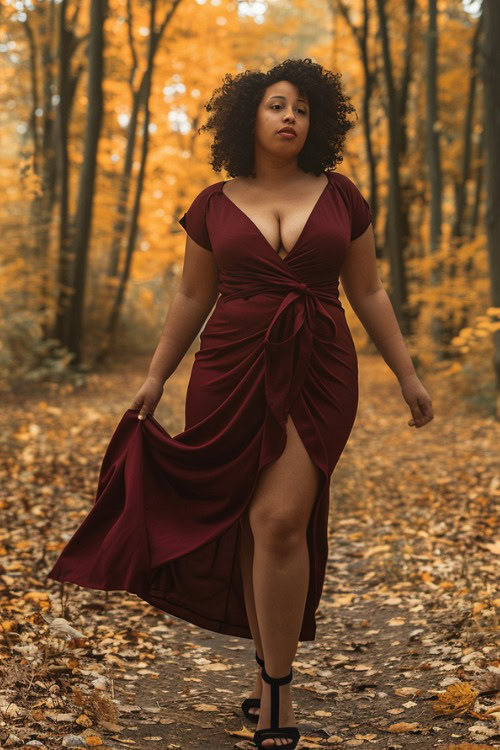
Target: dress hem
x: 187, y: 615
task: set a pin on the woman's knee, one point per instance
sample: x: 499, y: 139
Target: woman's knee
x: 276, y: 531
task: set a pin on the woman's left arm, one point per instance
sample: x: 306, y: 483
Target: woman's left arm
x: 369, y: 300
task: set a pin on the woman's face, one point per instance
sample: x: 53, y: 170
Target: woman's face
x: 282, y: 106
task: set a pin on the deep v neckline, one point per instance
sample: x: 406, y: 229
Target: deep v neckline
x: 275, y: 252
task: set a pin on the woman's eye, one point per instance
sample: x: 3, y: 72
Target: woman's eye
x: 279, y: 105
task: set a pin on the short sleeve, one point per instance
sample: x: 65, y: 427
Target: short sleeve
x: 194, y: 221
x: 361, y: 215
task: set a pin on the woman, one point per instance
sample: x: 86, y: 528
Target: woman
x: 225, y: 524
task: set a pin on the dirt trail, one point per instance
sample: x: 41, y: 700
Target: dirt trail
x: 408, y: 619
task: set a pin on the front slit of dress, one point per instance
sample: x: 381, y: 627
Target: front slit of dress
x: 235, y: 585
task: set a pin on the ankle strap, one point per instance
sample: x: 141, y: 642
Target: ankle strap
x: 276, y: 680
x: 259, y: 660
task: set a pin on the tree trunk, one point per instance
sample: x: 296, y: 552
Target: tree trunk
x: 433, y: 124
x: 124, y: 187
x: 461, y: 195
x: 43, y: 154
x: 63, y: 110
x: 34, y: 94
x: 434, y: 168
x: 490, y: 71
x: 83, y: 222
x: 453, y: 326
x: 360, y: 34
x: 395, y: 235
x: 478, y: 186
x: 124, y: 276
x: 138, y: 97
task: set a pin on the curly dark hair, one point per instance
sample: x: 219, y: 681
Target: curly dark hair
x: 234, y: 108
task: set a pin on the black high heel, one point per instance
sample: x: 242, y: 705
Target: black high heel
x: 275, y: 731
x: 252, y: 702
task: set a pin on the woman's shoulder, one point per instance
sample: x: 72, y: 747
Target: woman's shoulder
x: 341, y: 179
x: 200, y: 200
x: 213, y: 187
x: 346, y: 186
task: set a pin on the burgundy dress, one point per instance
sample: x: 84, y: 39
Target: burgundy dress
x: 165, y: 521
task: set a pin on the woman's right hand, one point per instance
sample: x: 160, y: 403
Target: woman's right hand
x: 147, y: 397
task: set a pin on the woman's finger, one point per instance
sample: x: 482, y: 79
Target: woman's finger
x: 416, y: 412
x: 143, y: 412
x: 422, y: 413
x: 427, y: 410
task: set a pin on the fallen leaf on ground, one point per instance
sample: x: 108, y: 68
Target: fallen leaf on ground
x: 404, y: 726
x: 406, y: 691
x: 457, y: 697
x: 205, y: 707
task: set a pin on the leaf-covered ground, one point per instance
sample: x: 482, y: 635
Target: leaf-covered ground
x: 407, y: 651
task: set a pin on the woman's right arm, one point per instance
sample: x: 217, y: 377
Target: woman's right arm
x: 188, y: 311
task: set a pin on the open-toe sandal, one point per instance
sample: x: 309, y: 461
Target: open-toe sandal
x: 252, y: 702
x: 275, y: 731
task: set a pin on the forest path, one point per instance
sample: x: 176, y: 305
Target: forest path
x: 410, y: 606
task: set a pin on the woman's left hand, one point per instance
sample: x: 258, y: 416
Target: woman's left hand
x: 418, y: 400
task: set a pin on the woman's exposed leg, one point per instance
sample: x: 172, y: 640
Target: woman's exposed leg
x: 246, y: 562
x: 279, y: 514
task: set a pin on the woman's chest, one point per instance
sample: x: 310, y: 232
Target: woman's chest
x: 320, y: 246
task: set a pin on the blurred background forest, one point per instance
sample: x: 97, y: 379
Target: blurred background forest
x: 100, y: 155
x: 100, y: 106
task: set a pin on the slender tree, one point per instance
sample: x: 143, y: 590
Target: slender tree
x: 433, y: 126
x: 434, y: 164
x: 83, y: 222
x: 124, y: 275
x: 138, y: 100
x: 478, y: 187
x: 38, y: 27
x: 360, y: 34
x: 397, y: 228
x: 452, y: 326
x: 66, y: 86
x: 461, y: 195
x: 490, y: 71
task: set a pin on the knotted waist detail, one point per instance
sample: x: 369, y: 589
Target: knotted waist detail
x: 299, y: 320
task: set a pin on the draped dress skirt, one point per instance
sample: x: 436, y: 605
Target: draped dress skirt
x: 165, y: 521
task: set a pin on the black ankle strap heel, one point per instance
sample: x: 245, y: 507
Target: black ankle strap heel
x: 252, y: 702
x: 259, y: 660
x: 275, y: 731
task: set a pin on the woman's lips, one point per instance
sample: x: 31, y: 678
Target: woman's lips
x: 286, y: 135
